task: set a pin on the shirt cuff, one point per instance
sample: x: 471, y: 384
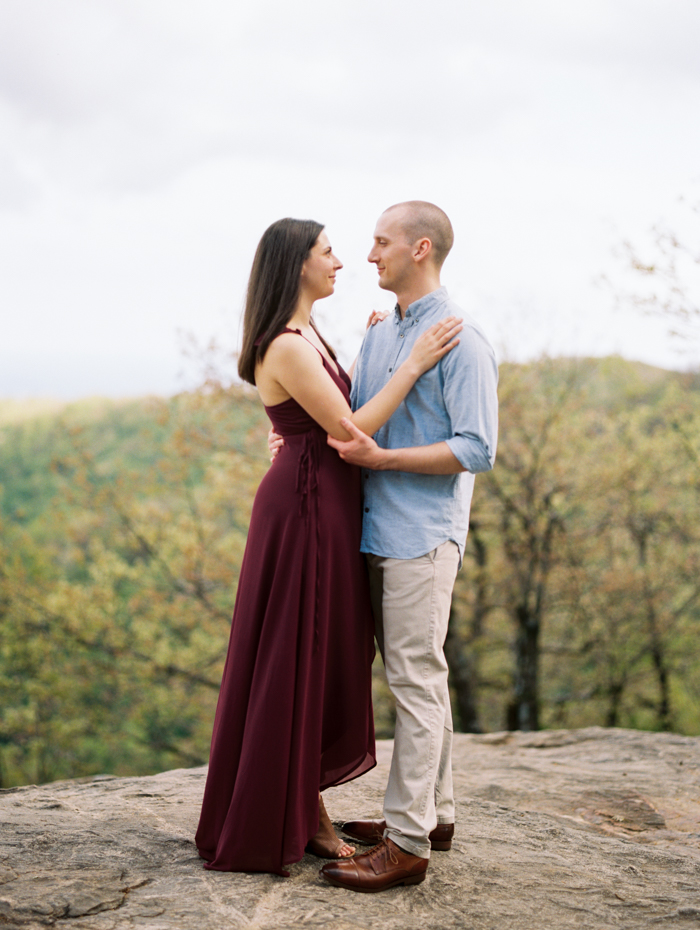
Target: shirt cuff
x: 471, y: 453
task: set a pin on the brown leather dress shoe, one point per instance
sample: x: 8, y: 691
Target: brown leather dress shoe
x: 372, y: 831
x: 384, y: 866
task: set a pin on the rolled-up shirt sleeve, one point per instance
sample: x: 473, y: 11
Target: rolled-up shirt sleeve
x: 471, y: 399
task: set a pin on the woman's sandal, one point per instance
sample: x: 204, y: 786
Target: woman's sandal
x: 326, y: 844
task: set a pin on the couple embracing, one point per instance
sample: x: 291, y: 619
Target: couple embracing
x: 380, y: 461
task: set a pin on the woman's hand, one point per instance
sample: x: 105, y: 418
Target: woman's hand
x: 435, y: 342
x: 274, y: 444
x: 376, y: 316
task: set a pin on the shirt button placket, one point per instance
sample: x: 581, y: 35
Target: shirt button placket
x: 401, y: 336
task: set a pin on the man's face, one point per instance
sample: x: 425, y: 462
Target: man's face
x: 391, y: 252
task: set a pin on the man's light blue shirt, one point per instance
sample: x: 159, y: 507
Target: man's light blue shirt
x: 406, y: 515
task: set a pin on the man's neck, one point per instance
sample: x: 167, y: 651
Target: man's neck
x: 410, y: 295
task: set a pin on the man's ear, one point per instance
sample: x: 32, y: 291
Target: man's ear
x: 421, y: 249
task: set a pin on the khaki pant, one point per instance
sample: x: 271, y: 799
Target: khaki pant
x: 411, y: 603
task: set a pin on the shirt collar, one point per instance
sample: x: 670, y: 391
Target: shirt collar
x: 423, y: 305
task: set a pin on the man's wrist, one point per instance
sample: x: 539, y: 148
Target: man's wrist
x: 385, y: 459
x: 435, y: 459
x: 378, y: 460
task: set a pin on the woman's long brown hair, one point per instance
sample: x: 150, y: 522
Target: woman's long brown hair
x: 273, y: 288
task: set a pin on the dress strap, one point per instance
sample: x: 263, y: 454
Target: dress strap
x: 299, y: 333
x: 323, y: 357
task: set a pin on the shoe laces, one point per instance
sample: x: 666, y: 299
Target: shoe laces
x: 384, y: 849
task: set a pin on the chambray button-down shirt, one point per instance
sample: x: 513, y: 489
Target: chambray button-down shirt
x: 407, y: 515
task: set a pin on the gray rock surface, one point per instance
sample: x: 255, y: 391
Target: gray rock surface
x: 589, y: 829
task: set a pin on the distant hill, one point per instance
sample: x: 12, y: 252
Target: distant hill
x: 123, y: 524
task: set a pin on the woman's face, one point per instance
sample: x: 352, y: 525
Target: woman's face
x: 318, y: 271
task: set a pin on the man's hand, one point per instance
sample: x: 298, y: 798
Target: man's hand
x: 360, y: 450
x: 274, y: 444
x: 435, y: 459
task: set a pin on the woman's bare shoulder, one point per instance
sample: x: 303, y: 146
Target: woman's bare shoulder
x: 288, y: 355
x: 290, y: 346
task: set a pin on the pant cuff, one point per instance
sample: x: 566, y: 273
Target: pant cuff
x: 415, y: 849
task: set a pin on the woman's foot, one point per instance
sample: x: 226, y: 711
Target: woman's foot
x: 327, y: 844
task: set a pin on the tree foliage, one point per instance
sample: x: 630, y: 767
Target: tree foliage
x: 583, y: 552
x: 117, y: 585
x: 122, y: 528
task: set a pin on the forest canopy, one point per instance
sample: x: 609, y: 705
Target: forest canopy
x: 122, y: 527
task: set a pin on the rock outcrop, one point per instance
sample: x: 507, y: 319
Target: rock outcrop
x: 586, y: 829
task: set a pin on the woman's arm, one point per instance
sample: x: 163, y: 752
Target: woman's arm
x: 296, y: 366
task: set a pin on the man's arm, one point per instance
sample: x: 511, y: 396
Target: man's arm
x: 436, y: 459
x: 470, y: 378
x: 470, y: 395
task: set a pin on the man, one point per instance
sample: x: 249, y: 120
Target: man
x: 418, y: 477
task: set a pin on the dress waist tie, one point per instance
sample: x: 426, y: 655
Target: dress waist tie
x: 307, y: 484
x: 307, y: 471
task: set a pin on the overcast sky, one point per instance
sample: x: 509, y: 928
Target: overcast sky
x: 145, y: 145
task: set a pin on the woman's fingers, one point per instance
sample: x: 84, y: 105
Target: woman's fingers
x: 446, y: 348
x: 448, y: 328
x: 444, y: 332
x: 376, y: 316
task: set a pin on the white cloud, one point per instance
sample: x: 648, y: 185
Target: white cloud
x: 145, y: 144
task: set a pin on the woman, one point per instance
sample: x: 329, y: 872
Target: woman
x: 294, y: 714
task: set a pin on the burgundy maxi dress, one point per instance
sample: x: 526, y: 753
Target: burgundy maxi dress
x: 295, y: 709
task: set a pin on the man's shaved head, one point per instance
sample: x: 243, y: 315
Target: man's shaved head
x: 420, y: 219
